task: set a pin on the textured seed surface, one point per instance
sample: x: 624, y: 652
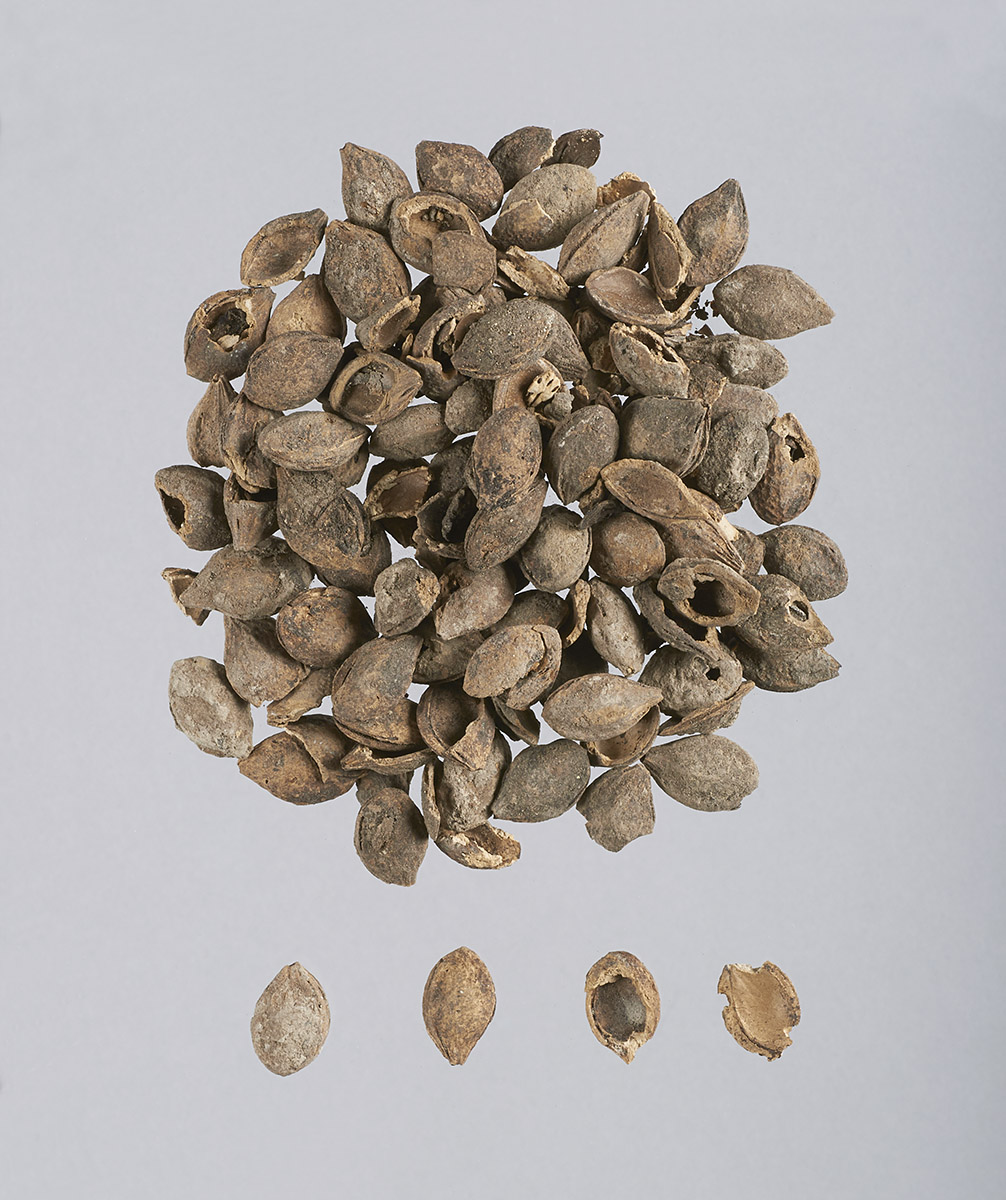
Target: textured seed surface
x: 762, y: 1007
x: 769, y: 302
x: 542, y: 782
x: 623, y: 1004
x: 391, y: 837
x: 290, y: 1022
x: 708, y: 772
x: 208, y: 710
x: 459, y: 1001
x: 618, y: 807
x: 598, y: 706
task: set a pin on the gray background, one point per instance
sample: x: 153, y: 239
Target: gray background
x: 150, y: 892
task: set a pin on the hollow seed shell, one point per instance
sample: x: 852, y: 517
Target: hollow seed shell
x: 484, y: 848
x: 283, y: 766
x: 207, y: 709
x: 791, y: 474
x: 224, y: 332
x: 769, y: 302
x: 762, y: 1007
x: 623, y: 1004
x: 459, y: 1001
x: 390, y: 837
x: 282, y: 248
x: 618, y: 807
x: 373, y: 388
x: 597, y: 706
x: 784, y: 619
x: 707, y: 772
x: 193, y: 502
x: 290, y: 1022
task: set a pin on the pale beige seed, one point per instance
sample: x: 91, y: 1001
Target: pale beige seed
x: 762, y: 1007
x: 208, y: 710
x: 459, y: 1001
x: 769, y: 302
x: 623, y: 1004
x: 290, y: 1022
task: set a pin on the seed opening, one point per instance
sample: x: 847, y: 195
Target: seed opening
x: 799, y: 611
x: 618, y: 1010
x: 227, y: 327
x: 713, y: 673
x: 174, y: 509
x: 796, y: 451
x: 712, y: 598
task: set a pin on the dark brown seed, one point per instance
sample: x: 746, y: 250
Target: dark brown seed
x: 787, y: 670
x: 308, y: 309
x: 716, y: 229
x: 689, y: 682
x: 602, y: 238
x: 471, y: 600
x: 623, y: 1005
x: 178, y: 579
x: 224, y: 331
x: 626, y: 550
x: 373, y: 388
x: 193, y: 502
x: 418, y: 431
x: 644, y: 360
x: 614, y: 628
x: 282, y: 248
x: 463, y: 794
x: 250, y: 583
x: 544, y: 206
x: 668, y: 431
x: 404, y: 594
x: 670, y: 626
x: 520, y: 724
x: 542, y: 782
x: 357, y: 572
x: 769, y: 302
x: 670, y: 257
x: 469, y: 406
x: 388, y: 324
x: 625, y: 747
x: 808, y: 557
x: 390, y: 837
x: 626, y: 296
x: 537, y: 608
x: 283, y: 766
x: 371, y: 184
x: 458, y: 1003
x: 706, y: 772
x: 521, y: 152
x: 369, y: 694
x: 517, y: 663
x: 498, y: 531
x: 649, y: 489
x: 462, y: 261
x: 207, y: 709
x: 557, y: 552
x: 322, y: 626
x: 705, y: 382
x: 460, y: 171
x: 251, y: 516
x: 743, y: 360
x: 361, y: 271
x: 319, y: 517
x: 791, y: 476
x: 417, y: 220
x: 579, y: 448
x: 505, y: 457
x: 618, y: 807
x: 580, y: 146
x: 325, y: 743
x: 369, y: 782
x: 506, y: 339
x: 307, y: 695
x: 456, y: 725
x: 597, y: 706
x: 257, y: 666
x: 311, y: 441
x: 291, y: 370
x: 708, y: 592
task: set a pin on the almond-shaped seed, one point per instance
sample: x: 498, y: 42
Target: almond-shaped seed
x: 708, y: 592
x: 307, y: 695
x: 791, y: 474
x: 709, y: 719
x: 371, y: 184
x: 311, y: 441
x: 627, y: 296
x: 715, y: 228
x: 787, y: 670
x: 564, y: 350
x: 517, y: 663
x: 373, y: 388
x: 544, y: 206
x: 623, y: 1005
x: 290, y: 370
x: 357, y: 572
x: 762, y: 1007
x: 178, y: 579
x: 672, y: 432
x: 506, y: 339
x: 242, y: 424
x: 626, y: 550
x: 290, y: 1022
x: 388, y: 324
x: 224, y: 332
x: 579, y: 448
x: 643, y: 359
x: 557, y: 552
x: 459, y: 1001
x: 706, y: 772
x: 582, y: 147
x: 536, y: 278
x: 207, y: 709
x: 521, y: 152
x: 369, y: 694
x: 282, y: 248
x: 361, y: 271
x: 755, y: 403
x: 542, y: 782
x: 784, y: 619
x: 625, y: 747
x: 322, y: 626
x: 390, y: 837
x: 319, y: 517
x: 460, y: 171
x: 471, y: 601
x: 308, y: 309
x: 251, y: 516
x: 649, y: 489
x: 404, y: 595
x: 602, y: 239
x: 497, y: 532
x: 193, y: 502
x: 283, y: 766
x: 598, y: 706
x: 744, y: 360
x: 769, y: 302
x: 250, y: 583
x: 327, y: 746
x: 463, y: 794
x: 461, y: 261
x: 808, y: 557
x: 615, y: 629
x: 668, y: 252
x: 618, y: 807
x: 456, y: 725
x: 690, y: 682
x: 505, y: 456
x: 257, y: 666
x: 415, y: 433
x: 417, y: 220
x: 205, y: 429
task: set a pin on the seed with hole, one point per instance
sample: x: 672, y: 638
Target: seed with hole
x: 623, y: 1005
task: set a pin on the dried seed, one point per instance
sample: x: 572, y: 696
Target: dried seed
x: 311, y: 441
x: 769, y: 302
x: 784, y: 619
x: 535, y: 277
x: 735, y: 459
x: 517, y: 663
x: 583, y: 444
x: 543, y: 207
x: 418, y: 431
x: 371, y: 184
x: 459, y: 1001
x: 743, y: 360
x: 404, y: 595
x: 668, y: 431
x: 690, y: 682
x: 626, y: 550
x: 531, y: 387
x: 520, y: 724
x: 204, y: 432
x: 497, y: 532
x: 623, y: 1005
x: 178, y: 579
x: 626, y: 296
x: 521, y: 152
x: 757, y: 404
x: 224, y: 331
x: 808, y: 557
x: 751, y: 551
x: 308, y: 309
x: 618, y: 807
x: 708, y: 592
x: 291, y: 370
x: 357, y: 572
x: 601, y: 239
x: 669, y: 254
x: 456, y: 725
x: 471, y: 600
x: 418, y: 219
x: 388, y: 324
x: 257, y: 666
x: 464, y: 795
x: 460, y: 171
x: 319, y: 517
x: 671, y: 627
x: 373, y: 388
x: 250, y: 583
x: 649, y: 489
x: 715, y: 228
x: 710, y: 718
x: 308, y: 694
x: 390, y: 836
x: 556, y: 554
x: 644, y: 360
x: 506, y: 339
x: 369, y: 693
x: 322, y: 626
x: 462, y: 261
x: 597, y: 706
x: 468, y: 407
x: 505, y: 457
x: 207, y: 709
x: 791, y: 475
x: 580, y: 146
x: 361, y: 271
x: 614, y: 628
x: 542, y: 782
x: 251, y: 516
x: 290, y: 1022
x: 283, y: 766
x: 787, y: 670
x: 706, y: 772
x: 282, y: 248
x: 762, y: 1007
x: 193, y: 502
x: 242, y: 425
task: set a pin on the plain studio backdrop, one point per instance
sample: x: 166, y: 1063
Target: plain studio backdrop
x: 150, y: 892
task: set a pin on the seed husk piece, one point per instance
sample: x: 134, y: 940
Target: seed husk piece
x: 710, y: 718
x: 579, y: 448
x: 193, y: 502
x: 251, y: 516
x: 257, y: 666
x: 469, y: 406
x: 531, y: 387
x: 205, y: 428
x: 250, y: 583
x: 649, y: 489
x: 327, y: 746
x: 519, y: 724
x: 614, y: 628
x: 531, y: 274
x: 708, y: 592
x: 460, y: 171
x: 626, y: 550
x: 518, y: 664
x: 360, y: 270
x: 283, y: 766
x: 242, y: 424
x: 483, y: 848
x: 542, y: 782
x: 308, y: 309
x: 224, y: 332
x: 668, y: 252
x: 787, y: 670
x: 715, y: 227
x: 363, y: 758
x: 282, y: 248
x: 706, y: 772
x: 404, y: 595
x: 762, y: 1007
x: 808, y: 557
x: 357, y: 572
x: 388, y: 324
x: 323, y: 626
x: 307, y: 695
x: 290, y: 1022
x: 791, y: 474
x: 784, y: 619
x: 598, y: 706
x: 390, y: 837
x: 463, y: 794
x: 624, y: 747
x: 628, y: 297
x: 623, y: 184
x: 311, y: 441
x: 618, y: 807
x: 769, y: 302
x: 207, y: 709
x: 417, y: 220
x: 543, y: 207
x: 291, y: 370
x: 521, y: 152
x: 601, y: 239
x: 459, y: 1001
x: 371, y: 184
x: 557, y: 552
x: 319, y: 517
x: 623, y: 1005
x: 178, y: 579
x: 369, y: 694
x: 456, y: 725
x: 671, y: 627
x: 373, y: 388
x: 643, y: 359
x: 471, y: 601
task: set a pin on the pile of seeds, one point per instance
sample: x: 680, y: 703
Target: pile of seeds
x: 629, y: 609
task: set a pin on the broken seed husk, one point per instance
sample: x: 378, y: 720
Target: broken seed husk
x: 623, y: 1005
x: 193, y: 502
x: 207, y: 709
x: 360, y: 270
x: 250, y: 583
x: 224, y: 332
x: 321, y: 627
x: 618, y: 807
x: 791, y: 474
x: 762, y: 1007
x: 282, y: 248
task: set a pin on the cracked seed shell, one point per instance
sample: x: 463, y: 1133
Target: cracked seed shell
x: 690, y: 682
x: 618, y: 807
x: 706, y: 772
x: 762, y: 1007
x: 290, y: 1022
x: 459, y: 1001
x: 544, y: 206
x: 308, y: 309
x: 390, y: 836
x: 178, y: 579
x: 623, y: 1004
x: 404, y: 595
x: 257, y: 666
x: 251, y: 516
x: 224, y: 332
x: 250, y: 583
x: 321, y: 627
x: 784, y: 619
x: 417, y: 220
x: 284, y: 767
x: 207, y: 709
x: 282, y: 248
x: 601, y: 239
x: 460, y: 171
x: 597, y: 706
x: 369, y: 694
x: 707, y: 592
x: 519, y: 153
x: 791, y: 474
x: 360, y: 270
x: 579, y: 448
x: 193, y: 502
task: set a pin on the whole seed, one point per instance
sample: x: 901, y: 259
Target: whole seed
x: 459, y: 1001
x: 290, y: 1022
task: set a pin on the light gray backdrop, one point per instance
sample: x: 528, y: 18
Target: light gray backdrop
x: 150, y: 892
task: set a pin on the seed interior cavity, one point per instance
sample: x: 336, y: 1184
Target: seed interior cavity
x: 618, y: 1010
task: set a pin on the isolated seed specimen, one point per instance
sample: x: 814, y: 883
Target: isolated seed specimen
x: 623, y: 1005
x: 290, y: 1022
x: 762, y: 1007
x: 459, y: 1001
